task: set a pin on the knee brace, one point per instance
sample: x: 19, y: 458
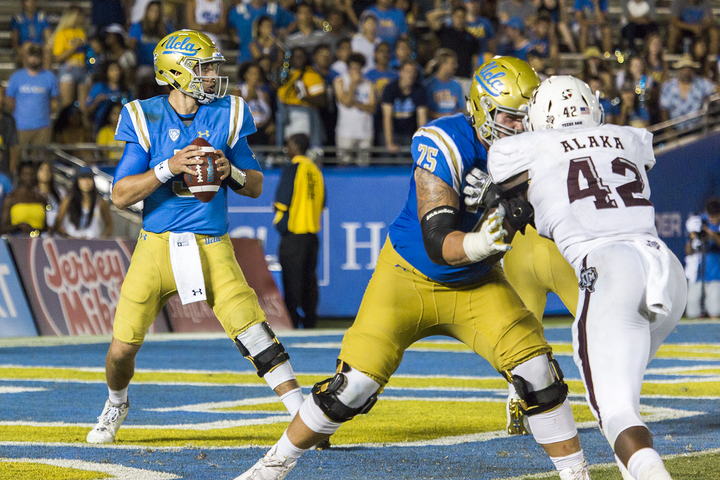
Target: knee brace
x: 336, y: 395
x: 260, y: 345
x: 534, y: 401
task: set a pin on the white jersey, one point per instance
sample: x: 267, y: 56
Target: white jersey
x: 353, y: 122
x: 588, y: 186
x: 207, y: 12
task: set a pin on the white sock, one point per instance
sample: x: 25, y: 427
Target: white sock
x: 292, y: 400
x: 572, y: 460
x: 118, y: 397
x: 642, y: 459
x: 286, y: 449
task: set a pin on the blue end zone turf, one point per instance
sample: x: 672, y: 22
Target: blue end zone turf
x: 198, y: 411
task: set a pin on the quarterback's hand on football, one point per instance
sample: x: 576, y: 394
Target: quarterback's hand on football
x: 223, y: 164
x: 489, y: 239
x: 479, y: 190
x: 181, y: 161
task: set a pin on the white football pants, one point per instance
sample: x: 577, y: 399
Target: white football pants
x: 615, y: 335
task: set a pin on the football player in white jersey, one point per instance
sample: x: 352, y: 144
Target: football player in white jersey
x: 588, y: 186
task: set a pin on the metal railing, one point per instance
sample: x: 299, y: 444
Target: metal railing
x: 687, y: 128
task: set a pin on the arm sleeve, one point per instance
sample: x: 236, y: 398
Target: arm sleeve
x: 135, y: 160
x: 243, y: 157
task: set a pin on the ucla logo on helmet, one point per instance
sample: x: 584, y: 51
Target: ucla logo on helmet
x: 490, y: 78
x: 175, y: 45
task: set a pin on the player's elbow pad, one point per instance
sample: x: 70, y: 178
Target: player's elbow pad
x: 435, y: 226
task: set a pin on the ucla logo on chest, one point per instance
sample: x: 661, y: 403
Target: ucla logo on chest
x: 174, y: 134
x: 184, y: 46
x: 490, y: 78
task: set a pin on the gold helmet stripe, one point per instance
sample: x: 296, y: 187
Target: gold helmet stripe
x: 450, y: 151
x: 138, y: 120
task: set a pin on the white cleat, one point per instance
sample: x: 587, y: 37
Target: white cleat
x: 655, y: 471
x: 578, y: 472
x: 270, y: 467
x: 109, y: 423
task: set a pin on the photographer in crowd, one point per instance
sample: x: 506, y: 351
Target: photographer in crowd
x: 703, y: 262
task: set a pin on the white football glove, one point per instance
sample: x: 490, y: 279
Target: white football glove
x: 694, y: 224
x: 476, y: 189
x: 488, y: 240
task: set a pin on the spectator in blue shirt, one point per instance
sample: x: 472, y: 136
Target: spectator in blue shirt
x: 29, y: 26
x: 391, y: 21
x: 611, y: 106
x: 590, y: 24
x: 380, y: 76
x: 241, y: 18
x: 35, y: 90
x: 686, y: 93
x: 480, y: 27
x: 144, y: 36
x: 518, y: 44
x: 444, y: 93
x: 692, y: 19
x: 404, y: 107
x: 110, y: 87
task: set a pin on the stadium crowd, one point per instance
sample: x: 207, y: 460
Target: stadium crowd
x: 351, y: 74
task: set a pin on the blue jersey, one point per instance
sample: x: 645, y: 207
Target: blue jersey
x: 30, y: 29
x: 391, y: 23
x: 157, y: 128
x: 448, y: 148
x: 444, y: 97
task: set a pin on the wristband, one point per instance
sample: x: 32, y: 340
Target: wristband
x: 236, y: 180
x: 162, y: 171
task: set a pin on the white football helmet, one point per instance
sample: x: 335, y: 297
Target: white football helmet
x: 563, y: 102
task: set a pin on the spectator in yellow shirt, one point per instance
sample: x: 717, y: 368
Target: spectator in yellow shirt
x: 106, y: 135
x: 69, y: 47
x: 298, y: 101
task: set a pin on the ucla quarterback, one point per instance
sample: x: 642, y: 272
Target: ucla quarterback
x: 184, y: 247
x: 435, y: 276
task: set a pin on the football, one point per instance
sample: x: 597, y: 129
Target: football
x: 207, y: 183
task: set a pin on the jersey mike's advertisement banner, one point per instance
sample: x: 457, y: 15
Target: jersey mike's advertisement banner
x: 16, y: 320
x: 73, y: 286
x: 199, y: 317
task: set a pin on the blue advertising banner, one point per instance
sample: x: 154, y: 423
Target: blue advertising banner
x: 362, y: 202
x: 15, y: 317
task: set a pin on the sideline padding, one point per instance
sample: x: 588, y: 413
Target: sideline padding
x: 16, y: 320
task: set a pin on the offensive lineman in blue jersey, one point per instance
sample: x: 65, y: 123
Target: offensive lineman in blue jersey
x: 184, y: 247
x: 436, y: 275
